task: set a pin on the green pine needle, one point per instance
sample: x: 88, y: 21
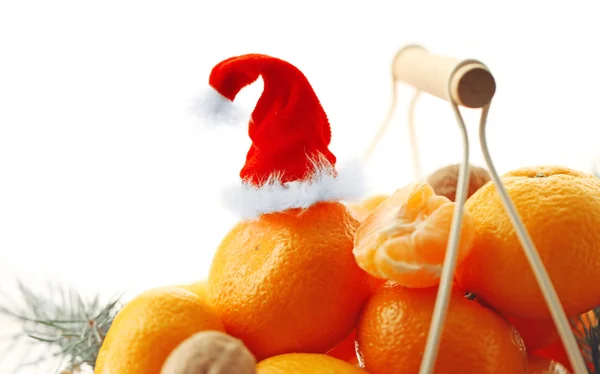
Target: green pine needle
x: 68, y: 326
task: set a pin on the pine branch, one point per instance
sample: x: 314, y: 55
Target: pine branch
x: 69, y: 327
x: 587, y: 333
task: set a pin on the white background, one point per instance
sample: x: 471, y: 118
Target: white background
x: 107, y: 183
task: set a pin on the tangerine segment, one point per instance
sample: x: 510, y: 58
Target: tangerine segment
x: 363, y: 208
x: 404, y: 239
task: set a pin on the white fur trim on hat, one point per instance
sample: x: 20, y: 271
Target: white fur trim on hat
x: 249, y: 202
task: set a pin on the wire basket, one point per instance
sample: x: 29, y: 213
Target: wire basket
x: 467, y: 83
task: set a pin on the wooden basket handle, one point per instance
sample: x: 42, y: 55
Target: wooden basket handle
x: 471, y: 85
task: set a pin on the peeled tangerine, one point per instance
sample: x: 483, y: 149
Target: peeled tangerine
x: 363, y: 208
x: 404, y: 239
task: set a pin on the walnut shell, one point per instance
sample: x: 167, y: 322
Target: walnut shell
x: 444, y: 180
x: 211, y: 352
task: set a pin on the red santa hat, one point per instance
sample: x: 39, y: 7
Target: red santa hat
x: 289, y: 164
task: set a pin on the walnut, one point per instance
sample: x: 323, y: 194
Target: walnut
x: 211, y: 352
x: 444, y: 180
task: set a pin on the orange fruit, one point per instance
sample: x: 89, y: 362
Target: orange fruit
x: 306, y: 363
x: 374, y: 283
x: 346, y: 350
x: 149, y: 327
x: 541, y: 365
x: 393, y: 329
x: 561, y: 209
x: 363, y: 208
x: 404, y: 239
x: 288, y: 282
x: 199, y: 288
x: 354, y: 361
x: 536, y: 333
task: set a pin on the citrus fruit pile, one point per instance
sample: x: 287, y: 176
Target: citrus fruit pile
x: 311, y: 284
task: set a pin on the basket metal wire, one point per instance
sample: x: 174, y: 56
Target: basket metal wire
x: 541, y: 275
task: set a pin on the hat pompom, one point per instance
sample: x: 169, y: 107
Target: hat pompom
x: 213, y: 109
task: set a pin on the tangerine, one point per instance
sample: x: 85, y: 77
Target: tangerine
x: 393, y: 329
x: 288, y: 282
x: 306, y: 363
x: 199, y: 288
x: 149, y: 327
x: 404, y: 239
x: 560, y: 208
x: 536, y: 333
x: 346, y: 350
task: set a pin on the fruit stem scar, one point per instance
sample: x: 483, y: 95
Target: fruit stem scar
x: 470, y: 296
x: 540, y: 175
